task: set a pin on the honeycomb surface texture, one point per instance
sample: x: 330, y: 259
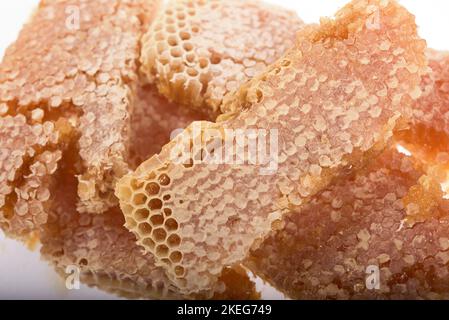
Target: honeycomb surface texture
x: 428, y: 136
x: 199, y: 50
x: 432, y: 109
x: 153, y: 121
x: 324, y: 250
x: 79, y: 58
x: 29, y: 155
x: 108, y: 257
x: 344, y: 79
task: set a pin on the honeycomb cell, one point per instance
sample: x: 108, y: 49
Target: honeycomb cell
x: 159, y: 235
x: 167, y: 213
x: 148, y: 242
x: 139, y: 199
x: 162, y: 250
x: 155, y: 204
x: 174, y: 240
x: 323, y: 252
x: 171, y: 224
x: 209, y: 48
x: 142, y: 214
x: 219, y: 224
x: 145, y: 229
x: 152, y: 189
x: 164, y: 180
x: 175, y: 257
x: 157, y: 220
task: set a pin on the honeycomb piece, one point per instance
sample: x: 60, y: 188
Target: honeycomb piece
x: 108, y: 257
x: 199, y: 50
x: 433, y: 108
x: 428, y: 137
x: 153, y: 121
x: 324, y: 108
x: 329, y: 249
x: 29, y: 155
x: 80, y: 57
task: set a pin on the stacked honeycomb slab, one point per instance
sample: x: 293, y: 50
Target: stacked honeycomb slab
x: 299, y: 180
x: 197, y: 216
x: 197, y: 51
x: 78, y: 59
x: 326, y: 250
x: 72, y: 104
x: 391, y: 215
x: 107, y: 256
x: 427, y: 139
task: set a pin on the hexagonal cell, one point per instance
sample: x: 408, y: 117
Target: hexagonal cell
x: 130, y: 223
x: 171, y: 224
x: 145, y: 229
x: 155, y: 204
x: 139, y: 199
x: 167, y: 212
x: 157, y: 220
x: 174, y: 240
x: 141, y: 214
x: 148, y: 243
x: 159, y: 235
x: 166, y: 197
x: 127, y: 209
x: 152, y: 188
x: 164, y: 180
x: 162, y: 251
x: 176, y: 257
x: 179, y: 271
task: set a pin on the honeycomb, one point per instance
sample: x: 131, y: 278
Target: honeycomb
x: 322, y: 97
x: 199, y: 50
x: 29, y: 155
x: 323, y: 251
x: 108, y: 257
x: 428, y: 136
x: 62, y: 66
x: 153, y: 120
x: 432, y: 109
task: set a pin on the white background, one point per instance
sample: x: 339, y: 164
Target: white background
x: 24, y: 276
